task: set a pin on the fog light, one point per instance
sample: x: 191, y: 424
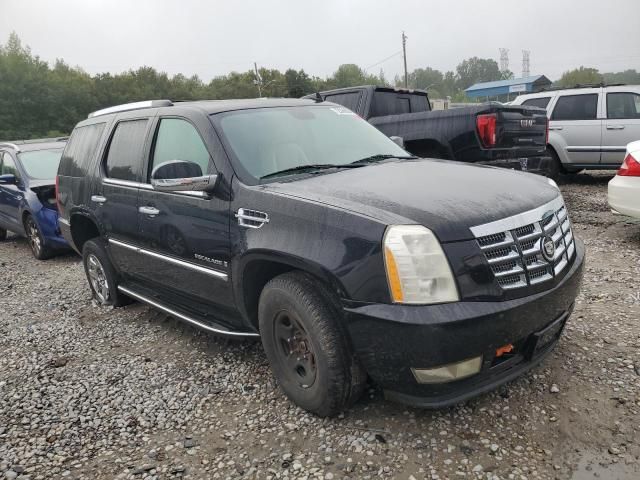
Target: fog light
x: 448, y: 373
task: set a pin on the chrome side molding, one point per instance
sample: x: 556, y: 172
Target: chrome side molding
x: 181, y: 263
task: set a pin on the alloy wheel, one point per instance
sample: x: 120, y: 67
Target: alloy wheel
x: 98, y: 278
x: 33, y: 236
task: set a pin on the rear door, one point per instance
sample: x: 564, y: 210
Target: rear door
x: 575, y: 118
x: 621, y: 126
x: 115, y: 201
x: 186, y: 234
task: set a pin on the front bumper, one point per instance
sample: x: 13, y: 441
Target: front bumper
x: 48, y: 222
x: 390, y: 340
x: 533, y: 164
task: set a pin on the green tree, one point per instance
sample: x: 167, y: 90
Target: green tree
x: 630, y: 77
x: 475, y: 70
x: 579, y: 76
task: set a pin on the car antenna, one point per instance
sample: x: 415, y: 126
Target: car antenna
x: 319, y: 98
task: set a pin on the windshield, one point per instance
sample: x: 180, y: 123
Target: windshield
x: 270, y: 140
x: 41, y: 164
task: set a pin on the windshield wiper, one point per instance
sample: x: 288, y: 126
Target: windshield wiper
x: 379, y: 157
x: 303, y: 168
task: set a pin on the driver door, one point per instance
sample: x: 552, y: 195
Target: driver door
x: 186, y: 232
x: 10, y: 195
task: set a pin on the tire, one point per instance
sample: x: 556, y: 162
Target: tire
x: 555, y: 168
x: 101, y: 275
x: 35, y: 239
x: 3, y: 234
x: 307, y: 346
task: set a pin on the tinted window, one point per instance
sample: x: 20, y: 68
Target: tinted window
x: 541, y: 102
x: 8, y: 166
x: 623, y: 105
x: 41, y: 164
x: 389, y: 103
x: 349, y: 100
x: 80, y: 150
x: 179, y: 140
x: 124, y: 160
x: 576, y: 107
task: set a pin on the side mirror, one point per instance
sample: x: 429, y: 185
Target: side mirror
x: 398, y: 141
x: 8, y: 179
x: 182, y: 176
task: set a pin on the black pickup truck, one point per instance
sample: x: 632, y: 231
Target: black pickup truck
x: 489, y: 133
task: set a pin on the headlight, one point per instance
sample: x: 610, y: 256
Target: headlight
x: 417, y: 268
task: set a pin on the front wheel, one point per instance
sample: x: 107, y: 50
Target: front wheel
x: 35, y: 239
x: 101, y: 275
x: 3, y: 234
x: 306, y: 345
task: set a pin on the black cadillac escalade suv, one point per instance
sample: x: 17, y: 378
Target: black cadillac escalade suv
x: 299, y: 222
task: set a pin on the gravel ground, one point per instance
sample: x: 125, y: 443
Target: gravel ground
x: 88, y: 392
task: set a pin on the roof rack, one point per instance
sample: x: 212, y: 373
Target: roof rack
x: 584, y: 85
x: 10, y: 145
x: 132, y: 106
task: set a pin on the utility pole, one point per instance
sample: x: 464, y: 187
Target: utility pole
x: 258, y: 79
x: 404, y: 54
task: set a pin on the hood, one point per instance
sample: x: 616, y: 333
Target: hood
x: 446, y: 197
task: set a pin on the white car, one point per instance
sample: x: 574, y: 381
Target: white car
x: 624, y: 189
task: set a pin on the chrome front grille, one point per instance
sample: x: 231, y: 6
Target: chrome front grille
x: 515, y: 246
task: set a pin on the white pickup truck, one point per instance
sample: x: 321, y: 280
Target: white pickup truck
x: 589, y: 127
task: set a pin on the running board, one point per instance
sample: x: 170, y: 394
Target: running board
x: 182, y: 316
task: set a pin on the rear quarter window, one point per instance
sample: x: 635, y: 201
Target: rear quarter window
x: 541, y: 102
x: 80, y: 150
x: 390, y: 103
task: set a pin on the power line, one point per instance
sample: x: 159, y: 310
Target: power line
x: 384, y: 60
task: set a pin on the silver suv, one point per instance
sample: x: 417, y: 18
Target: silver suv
x: 589, y: 127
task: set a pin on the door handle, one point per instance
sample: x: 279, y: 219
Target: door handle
x: 555, y: 128
x: 98, y: 198
x: 152, y: 211
x: 615, y: 127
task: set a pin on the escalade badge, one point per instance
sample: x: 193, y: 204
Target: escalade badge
x: 526, y: 123
x: 548, y: 248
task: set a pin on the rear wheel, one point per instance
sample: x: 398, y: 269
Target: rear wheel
x: 101, y: 275
x: 307, y: 346
x: 35, y: 239
x: 3, y: 234
x: 555, y: 167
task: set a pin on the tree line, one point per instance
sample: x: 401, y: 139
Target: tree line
x: 42, y: 100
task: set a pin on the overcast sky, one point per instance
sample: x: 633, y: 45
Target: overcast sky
x: 210, y: 37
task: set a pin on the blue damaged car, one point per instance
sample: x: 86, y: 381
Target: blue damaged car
x: 27, y: 194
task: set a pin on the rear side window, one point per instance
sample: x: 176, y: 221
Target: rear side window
x: 124, y: 159
x: 541, y: 102
x: 80, y: 150
x: 349, y: 100
x: 623, y: 105
x: 576, y: 107
x: 178, y: 139
x: 389, y: 103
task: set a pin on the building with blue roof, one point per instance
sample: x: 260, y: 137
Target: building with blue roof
x: 505, y: 88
